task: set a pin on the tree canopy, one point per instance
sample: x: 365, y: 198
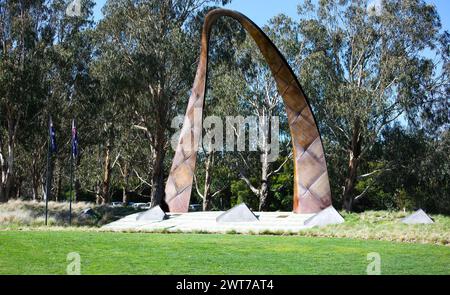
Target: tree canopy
x: 377, y: 78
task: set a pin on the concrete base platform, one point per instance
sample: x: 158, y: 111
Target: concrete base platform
x: 206, y: 222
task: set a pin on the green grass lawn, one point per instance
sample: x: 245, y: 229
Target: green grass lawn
x: 45, y: 252
x: 368, y: 225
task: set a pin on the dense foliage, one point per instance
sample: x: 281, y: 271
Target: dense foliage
x: 377, y: 78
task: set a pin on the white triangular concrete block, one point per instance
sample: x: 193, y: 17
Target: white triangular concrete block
x: 418, y: 217
x: 239, y: 213
x: 153, y: 214
x: 327, y: 216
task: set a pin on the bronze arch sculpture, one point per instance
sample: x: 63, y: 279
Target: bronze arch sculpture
x: 311, y: 185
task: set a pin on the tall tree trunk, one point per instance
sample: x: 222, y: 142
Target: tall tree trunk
x: 263, y: 196
x: 3, y: 176
x: 35, y: 188
x: 159, y: 143
x: 2, y: 194
x: 207, y: 187
x: 353, y: 163
x: 264, y: 189
x: 19, y: 188
x: 7, y: 165
x: 98, y: 193
x: 11, y: 143
x: 35, y: 178
x: 58, y: 180
x: 44, y: 193
x: 157, y: 193
x: 124, y: 195
x: 106, y: 175
x: 125, y: 183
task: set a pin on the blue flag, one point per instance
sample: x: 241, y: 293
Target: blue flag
x: 52, y: 133
x: 74, y: 140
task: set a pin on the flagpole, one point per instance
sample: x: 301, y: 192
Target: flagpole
x: 71, y: 188
x: 73, y: 154
x: 47, y: 189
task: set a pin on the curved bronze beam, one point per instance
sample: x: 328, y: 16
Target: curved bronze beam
x: 311, y: 186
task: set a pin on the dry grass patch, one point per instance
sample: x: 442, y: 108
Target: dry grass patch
x: 369, y: 225
x: 386, y: 225
x: 18, y: 213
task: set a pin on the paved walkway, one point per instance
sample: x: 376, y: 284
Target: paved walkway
x: 206, y: 222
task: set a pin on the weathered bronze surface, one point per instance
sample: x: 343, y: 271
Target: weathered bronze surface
x: 311, y: 185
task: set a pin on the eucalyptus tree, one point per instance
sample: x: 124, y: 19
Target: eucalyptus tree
x: 215, y: 168
x: 258, y: 98
x: 363, y: 68
x: 24, y: 39
x: 71, y: 94
x: 214, y: 176
x: 242, y: 89
x: 149, y: 46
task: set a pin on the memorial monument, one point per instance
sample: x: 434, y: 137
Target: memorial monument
x: 311, y: 185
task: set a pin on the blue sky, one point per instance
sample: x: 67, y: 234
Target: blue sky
x: 260, y: 11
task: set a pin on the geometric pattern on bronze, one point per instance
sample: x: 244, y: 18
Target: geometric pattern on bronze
x: 311, y: 185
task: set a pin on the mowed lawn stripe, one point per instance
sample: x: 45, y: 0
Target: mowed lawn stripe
x: 40, y: 252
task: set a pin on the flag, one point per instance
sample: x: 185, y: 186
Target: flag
x: 52, y: 133
x: 74, y: 140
